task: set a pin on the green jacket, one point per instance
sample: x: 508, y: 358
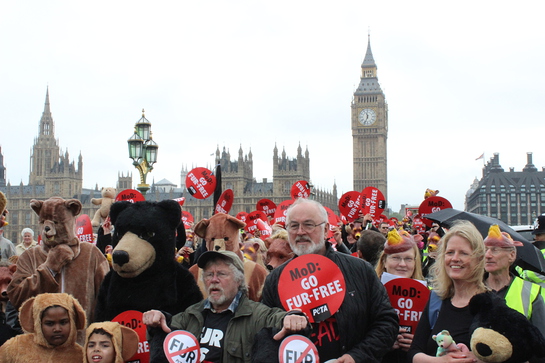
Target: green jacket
x: 250, y: 317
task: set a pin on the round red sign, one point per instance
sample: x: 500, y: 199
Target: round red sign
x: 181, y: 346
x: 180, y: 201
x: 252, y: 221
x: 333, y: 221
x: 373, y: 201
x: 350, y: 205
x: 297, y: 349
x: 133, y: 319
x: 408, y: 298
x: 264, y: 229
x: 313, y: 284
x: 200, y: 183
x: 84, y: 229
x: 381, y: 219
x: 242, y: 216
x: 430, y: 205
x: 130, y: 195
x: 300, y: 189
x: 267, y: 206
x: 225, y: 202
x: 280, y: 213
x: 418, y: 224
x: 187, y: 219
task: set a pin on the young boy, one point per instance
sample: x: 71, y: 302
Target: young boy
x: 109, y: 342
x: 50, y: 322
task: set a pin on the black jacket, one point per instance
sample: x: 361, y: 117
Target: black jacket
x: 367, y: 323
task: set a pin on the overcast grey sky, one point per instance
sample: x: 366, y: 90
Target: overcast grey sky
x: 461, y: 78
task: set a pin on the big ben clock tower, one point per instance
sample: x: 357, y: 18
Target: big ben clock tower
x: 369, y: 129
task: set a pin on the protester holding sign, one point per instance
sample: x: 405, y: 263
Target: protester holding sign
x: 400, y: 257
x: 457, y: 277
x: 361, y: 326
x: 227, y: 321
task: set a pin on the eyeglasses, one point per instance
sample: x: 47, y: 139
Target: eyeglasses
x: 307, y: 226
x: 496, y: 250
x: 407, y: 260
x: 220, y: 275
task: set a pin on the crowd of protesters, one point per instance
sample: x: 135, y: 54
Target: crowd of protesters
x: 456, y: 264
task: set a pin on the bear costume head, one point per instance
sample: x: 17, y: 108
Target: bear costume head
x: 57, y: 218
x: 144, y: 236
x: 500, y: 334
x: 221, y: 232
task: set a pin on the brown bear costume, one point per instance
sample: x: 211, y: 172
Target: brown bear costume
x: 32, y: 346
x: 221, y: 232
x: 61, y: 263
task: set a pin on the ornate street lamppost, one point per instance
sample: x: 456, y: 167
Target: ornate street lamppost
x: 143, y: 151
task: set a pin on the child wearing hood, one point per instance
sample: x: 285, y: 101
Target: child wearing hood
x: 50, y: 322
x: 109, y: 342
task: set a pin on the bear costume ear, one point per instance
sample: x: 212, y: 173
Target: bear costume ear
x: 73, y: 205
x: 481, y: 302
x: 36, y: 205
x: 81, y: 318
x: 25, y: 315
x: 200, y: 228
x: 116, y: 209
x: 130, y: 342
x: 237, y: 222
x: 173, y: 210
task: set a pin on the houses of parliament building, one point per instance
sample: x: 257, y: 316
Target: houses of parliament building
x: 52, y: 173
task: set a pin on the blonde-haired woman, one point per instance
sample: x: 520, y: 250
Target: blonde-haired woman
x: 458, y: 276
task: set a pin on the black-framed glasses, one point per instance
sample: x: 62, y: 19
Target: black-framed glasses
x: 306, y: 226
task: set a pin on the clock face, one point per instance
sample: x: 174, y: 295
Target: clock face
x: 367, y: 117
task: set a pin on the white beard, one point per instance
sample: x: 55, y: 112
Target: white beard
x: 215, y: 301
x: 300, y: 250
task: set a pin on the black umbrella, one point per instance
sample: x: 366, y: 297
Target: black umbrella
x: 528, y: 256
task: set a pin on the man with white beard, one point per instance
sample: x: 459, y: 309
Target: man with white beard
x: 227, y: 318
x: 365, y: 326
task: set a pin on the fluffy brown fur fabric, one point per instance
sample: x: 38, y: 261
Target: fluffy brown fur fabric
x: 32, y: 346
x: 61, y: 263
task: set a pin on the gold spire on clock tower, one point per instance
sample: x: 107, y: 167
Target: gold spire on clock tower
x: 369, y: 129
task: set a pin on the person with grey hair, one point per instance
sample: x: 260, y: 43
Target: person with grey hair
x: 7, y: 249
x: 28, y: 241
x: 226, y: 322
x: 365, y: 326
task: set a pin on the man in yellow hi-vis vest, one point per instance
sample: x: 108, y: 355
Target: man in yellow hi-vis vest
x: 520, y: 295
